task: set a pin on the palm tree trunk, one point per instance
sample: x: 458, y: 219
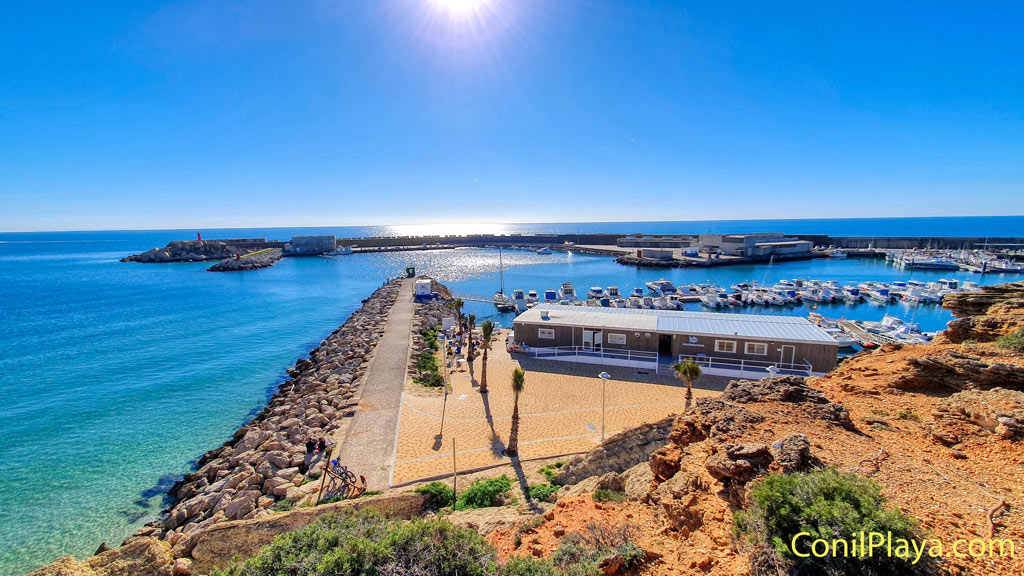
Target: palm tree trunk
x: 483, y: 374
x: 513, y: 436
x: 689, y: 393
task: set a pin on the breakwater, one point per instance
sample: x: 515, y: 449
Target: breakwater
x: 254, y: 261
x: 265, y: 461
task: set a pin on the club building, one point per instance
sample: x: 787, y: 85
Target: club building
x: 740, y: 345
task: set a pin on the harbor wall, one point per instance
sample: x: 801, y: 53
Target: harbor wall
x: 908, y: 242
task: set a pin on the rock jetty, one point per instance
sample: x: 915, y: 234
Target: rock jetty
x: 264, y: 461
x: 188, y: 251
x: 254, y: 261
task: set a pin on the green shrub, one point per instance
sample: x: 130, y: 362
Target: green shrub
x: 824, y: 504
x: 368, y: 543
x: 541, y: 492
x: 528, y: 566
x: 439, y: 495
x: 550, y: 470
x: 608, y: 496
x: 573, y: 549
x: 908, y: 414
x: 484, y: 493
x: 285, y: 504
x: 1013, y: 342
x: 579, y: 554
x: 430, y: 375
x: 430, y: 337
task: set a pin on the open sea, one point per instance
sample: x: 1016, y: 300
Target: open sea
x: 115, y: 376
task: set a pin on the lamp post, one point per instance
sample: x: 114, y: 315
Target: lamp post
x: 604, y: 376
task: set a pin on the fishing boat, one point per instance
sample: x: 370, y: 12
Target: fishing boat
x: 567, y: 293
x: 551, y: 295
x: 613, y: 292
x: 711, y: 300
x: 661, y: 287
x: 519, y: 299
x: 637, y: 292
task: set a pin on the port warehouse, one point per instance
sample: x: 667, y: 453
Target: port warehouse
x: 739, y: 345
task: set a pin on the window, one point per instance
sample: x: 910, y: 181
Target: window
x: 757, y: 348
x: 619, y: 339
x: 546, y: 333
x: 727, y: 346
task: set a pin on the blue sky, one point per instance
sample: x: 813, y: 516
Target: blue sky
x: 204, y: 113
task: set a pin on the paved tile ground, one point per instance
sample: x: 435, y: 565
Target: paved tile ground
x: 369, y: 445
x: 560, y: 410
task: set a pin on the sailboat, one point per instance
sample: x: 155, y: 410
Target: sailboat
x: 502, y: 302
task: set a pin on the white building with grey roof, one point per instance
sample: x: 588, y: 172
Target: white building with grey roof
x: 741, y: 345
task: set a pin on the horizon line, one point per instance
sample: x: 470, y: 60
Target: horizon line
x: 496, y: 222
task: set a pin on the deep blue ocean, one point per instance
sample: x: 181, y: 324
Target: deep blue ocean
x: 115, y: 376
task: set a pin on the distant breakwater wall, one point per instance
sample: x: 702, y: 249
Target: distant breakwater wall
x: 908, y: 242
x: 265, y: 460
x: 254, y: 261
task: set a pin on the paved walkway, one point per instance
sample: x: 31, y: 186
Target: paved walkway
x: 369, y: 446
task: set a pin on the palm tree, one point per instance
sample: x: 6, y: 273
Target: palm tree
x: 456, y: 305
x: 689, y: 371
x: 487, y: 329
x: 518, y: 379
x: 469, y: 330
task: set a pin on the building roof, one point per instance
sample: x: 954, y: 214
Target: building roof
x: 769, y: 327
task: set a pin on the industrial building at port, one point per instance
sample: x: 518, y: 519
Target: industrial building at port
x: 759, y: 245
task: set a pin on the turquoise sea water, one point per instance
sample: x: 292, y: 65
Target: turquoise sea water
x: 114, y: 376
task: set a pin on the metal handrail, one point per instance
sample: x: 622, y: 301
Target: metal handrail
x: 743, y: 364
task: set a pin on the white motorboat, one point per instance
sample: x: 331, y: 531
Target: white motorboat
x: 544, y: 250
x: 596, y: 292
x: 567, y: 292
x: 531, y: 296
x: 711, y: 300
x: 519, y: 299
x: 661, y: 287
x: 551, y: 295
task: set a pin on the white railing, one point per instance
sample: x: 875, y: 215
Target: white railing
x: 609, y: 356
x: 759, y: 368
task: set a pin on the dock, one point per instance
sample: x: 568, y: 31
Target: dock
x: 863, y: 335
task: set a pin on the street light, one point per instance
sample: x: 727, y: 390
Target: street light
x: 604, y: 376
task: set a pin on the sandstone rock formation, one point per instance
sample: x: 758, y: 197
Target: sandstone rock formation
x: 986, y: 315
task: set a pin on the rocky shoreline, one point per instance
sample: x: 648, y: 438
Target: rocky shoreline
x: 255, y: 261
x: 264, y: 461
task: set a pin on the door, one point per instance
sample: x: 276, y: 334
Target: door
x: 786, y: 355
x: 665, y: 346
x: 591, y: 339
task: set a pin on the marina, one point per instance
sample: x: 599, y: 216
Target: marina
x: 93, y: 312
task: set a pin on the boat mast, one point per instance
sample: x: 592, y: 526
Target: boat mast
x: 501, y: 272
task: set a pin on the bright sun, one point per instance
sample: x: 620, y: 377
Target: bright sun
x: 460, y: 7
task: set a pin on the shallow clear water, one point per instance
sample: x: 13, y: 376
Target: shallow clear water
x: 115, y: 376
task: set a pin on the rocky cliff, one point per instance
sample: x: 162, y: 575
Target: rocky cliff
x: 986, y: 315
